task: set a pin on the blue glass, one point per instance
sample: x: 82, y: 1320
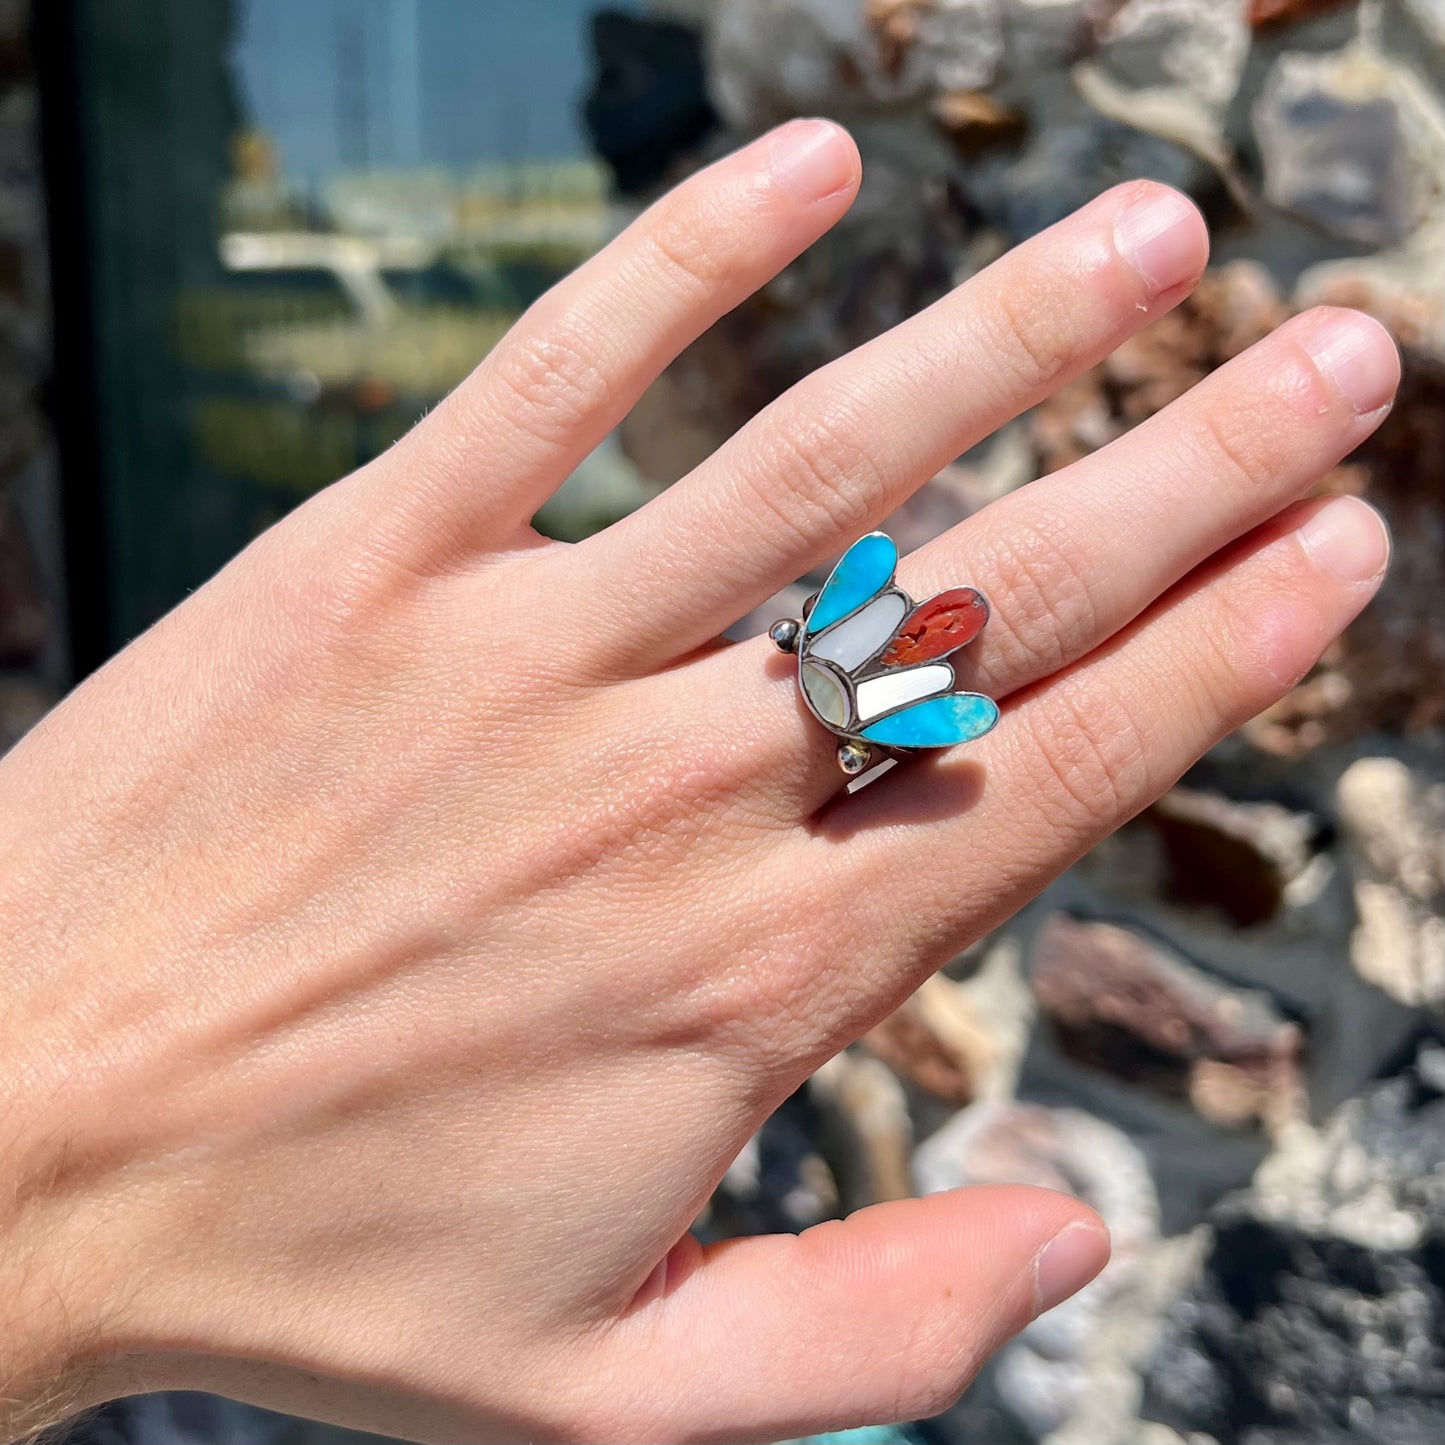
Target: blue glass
x: 937, y: 723
x: 863, y: 571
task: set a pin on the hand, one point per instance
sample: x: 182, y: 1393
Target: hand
x: 402, y: 937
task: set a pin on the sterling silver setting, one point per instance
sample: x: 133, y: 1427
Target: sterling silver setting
x: 872, y: 664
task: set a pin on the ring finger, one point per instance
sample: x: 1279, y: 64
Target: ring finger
x: 1074, y: 557
x: 969, y: 841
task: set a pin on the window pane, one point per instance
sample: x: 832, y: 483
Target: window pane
x: 306, y: 222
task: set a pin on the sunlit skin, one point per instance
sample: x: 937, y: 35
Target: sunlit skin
x: 402, y: 937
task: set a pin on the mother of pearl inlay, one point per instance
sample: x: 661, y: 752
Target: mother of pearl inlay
x: 854, y: 640
x: 893, y: 689
x: 826, y: 694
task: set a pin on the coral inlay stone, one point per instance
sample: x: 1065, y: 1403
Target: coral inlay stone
x: 864, y: 570
x: 937, y: 627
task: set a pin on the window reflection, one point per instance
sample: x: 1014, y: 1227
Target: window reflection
x: 310, y: 220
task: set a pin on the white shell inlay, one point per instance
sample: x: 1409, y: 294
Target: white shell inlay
x: 855, y: 639
x: 893, y: 689
x: 826, y: 694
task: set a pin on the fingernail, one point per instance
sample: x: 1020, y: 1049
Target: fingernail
x: 1162, y: 237
x: 1347, y: 539
x: 1067, y: 1263
x: 1359, y: 356
x: 813, y: 159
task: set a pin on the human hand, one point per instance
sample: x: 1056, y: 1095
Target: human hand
x: 402, y: 937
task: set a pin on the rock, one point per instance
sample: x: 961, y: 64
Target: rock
x: 776, y: 58
x: 1393, y: 658
x: 896, y: 251
x: 1231, y: 309
x: 999, y: 1141
x: 648, y: 101
x: 1387, y: 674
x: 1042, y: 35
x: 772, y: 59
x: 1126, y: 1004
x: 1353, y: 141
x: 1194, y: 46
x: 932, y: 45
x: 998, y: 1000
x: 1398, y: 289
x: 1320, y: 1314
x: 935, y: 1042
x: 779, y: 1183
x: 1237, y: 857
x: 1263, y: 14
x: 1170, y: 68
x: 976, y: 121
x: 1429, y: 15
x: 1395, y: 825
x: 1076, y: 149
x: 1123, y: 1340
x: 1374, y: 1176
x: 1396, y: 828
x: 1041, y: 1377
x: 865, y: 1133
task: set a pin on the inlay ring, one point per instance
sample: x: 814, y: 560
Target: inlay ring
x: 872, y: 666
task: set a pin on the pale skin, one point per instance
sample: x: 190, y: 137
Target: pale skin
x: 401, y: 938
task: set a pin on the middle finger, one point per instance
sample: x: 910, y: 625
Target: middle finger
x: 849, y: 443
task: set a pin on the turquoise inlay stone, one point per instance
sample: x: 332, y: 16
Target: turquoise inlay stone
x: 862, y: 571
x: 866, y: 1435
x: 938, y: 723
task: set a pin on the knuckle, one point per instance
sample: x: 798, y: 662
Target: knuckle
x: 1243, y: 454
x: 687, y: 255
x: 551, y: 384
x: 772, y: 1006
x: 1247, y: 647
x: 1308, y: 388
x: 818, y: 477
x: 1031, y: 338
x: 1089, y: 753
x: 1050, y: 614
x: 351, y: 592
x: 1255, y: 435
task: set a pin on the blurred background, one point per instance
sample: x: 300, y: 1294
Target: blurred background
x: 245, y: 243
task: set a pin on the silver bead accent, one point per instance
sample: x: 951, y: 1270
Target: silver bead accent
x: 853, y: 757
x: 785, y: 634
